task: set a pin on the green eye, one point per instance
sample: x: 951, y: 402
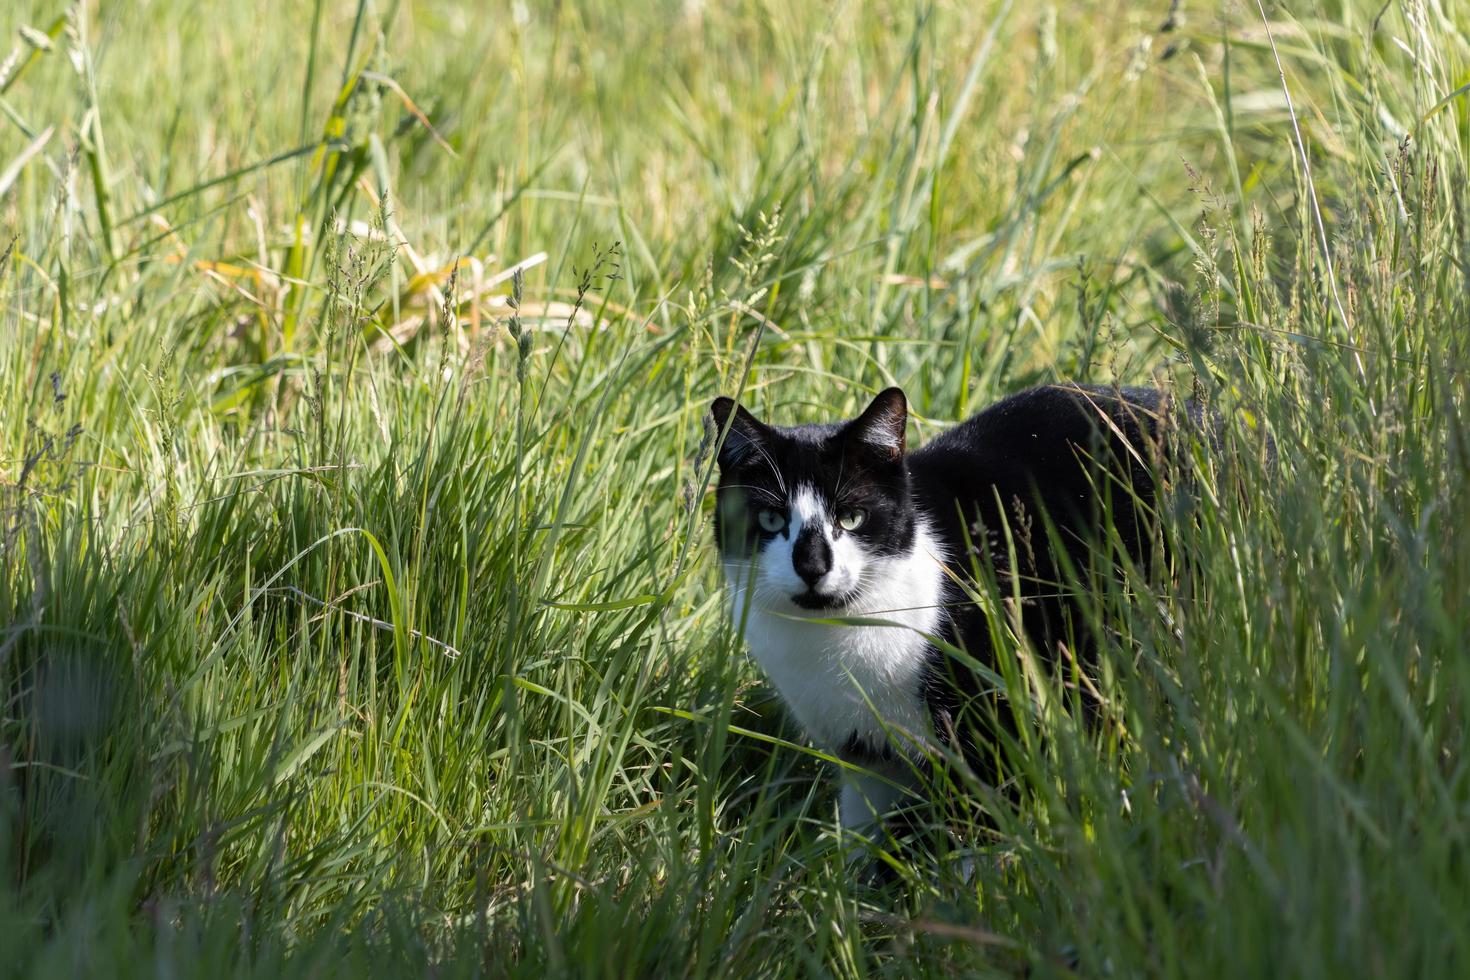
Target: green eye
x: 771, y: 520
x: 852, y: 518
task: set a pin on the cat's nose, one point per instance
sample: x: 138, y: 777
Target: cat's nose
x: 811, y: 556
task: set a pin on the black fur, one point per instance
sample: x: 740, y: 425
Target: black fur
x: 1047, y: 468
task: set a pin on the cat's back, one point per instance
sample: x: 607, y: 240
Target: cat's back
x: 1046, y: 413
x: 1037, y: 446
x: 1039, y: 427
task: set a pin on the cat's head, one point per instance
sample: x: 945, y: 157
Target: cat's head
x: 806, y: 516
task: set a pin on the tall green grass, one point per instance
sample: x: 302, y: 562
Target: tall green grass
x: 356, y: 604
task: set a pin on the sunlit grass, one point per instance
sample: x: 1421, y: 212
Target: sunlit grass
x: 357, y: 604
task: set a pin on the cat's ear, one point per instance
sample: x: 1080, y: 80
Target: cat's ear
x: 746, y: 432
x: 882, y: 424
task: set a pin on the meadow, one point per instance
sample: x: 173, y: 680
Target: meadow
x: 358, y: 605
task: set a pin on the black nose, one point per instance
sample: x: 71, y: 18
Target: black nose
x: 811, y: 556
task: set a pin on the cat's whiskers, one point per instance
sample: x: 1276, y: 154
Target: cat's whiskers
x: 842, y: 479
x: 775, y: 470
x: 775, y: 498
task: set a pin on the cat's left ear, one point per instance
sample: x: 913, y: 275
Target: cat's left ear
x: 883, y: 423
x: 746, y: 432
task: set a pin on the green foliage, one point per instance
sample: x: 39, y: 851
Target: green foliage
x: 357, y: 609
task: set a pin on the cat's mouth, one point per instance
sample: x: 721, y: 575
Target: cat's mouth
x: 815, y: 600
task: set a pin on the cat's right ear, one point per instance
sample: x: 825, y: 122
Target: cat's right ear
x: 746, y: 432
x: 882, y: 424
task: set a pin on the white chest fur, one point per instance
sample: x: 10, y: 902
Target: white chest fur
x: 842, y: 680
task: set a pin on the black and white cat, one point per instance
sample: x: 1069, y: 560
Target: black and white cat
x: 819, y: 525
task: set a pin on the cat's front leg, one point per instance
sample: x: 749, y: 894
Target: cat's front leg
x: 864, y: 799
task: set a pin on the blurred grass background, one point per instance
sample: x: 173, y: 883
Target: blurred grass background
x: 357, y: 610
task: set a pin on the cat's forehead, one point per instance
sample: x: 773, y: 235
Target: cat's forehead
x: 813, y: 436
x: 815, y: 456
x: 807, y: 451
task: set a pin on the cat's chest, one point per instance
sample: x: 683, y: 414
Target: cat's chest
x: 847, y: 683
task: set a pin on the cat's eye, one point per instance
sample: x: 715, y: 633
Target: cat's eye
x: 771, y: 520
x: 852, y: 518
